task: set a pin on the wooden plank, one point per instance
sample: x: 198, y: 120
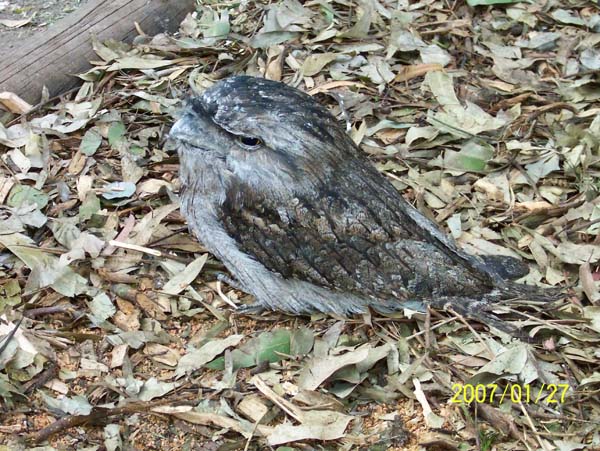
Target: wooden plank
x: 52, y: 57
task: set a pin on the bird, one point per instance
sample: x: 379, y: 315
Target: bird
x: 273, y: 186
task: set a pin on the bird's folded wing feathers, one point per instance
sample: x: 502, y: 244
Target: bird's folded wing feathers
x: 339, y: 241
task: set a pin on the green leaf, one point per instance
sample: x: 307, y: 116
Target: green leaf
x: 77, y: 405
x: 89, y: 206
x: 272, y: 345
x: 10, y: 294
x: 116, y: 131
x: 268, y: 347
x: 315, y: 63
x: 101, y: 308
x: 472, y: 157
x: 270, y: 38
x: 117, y: 190
x: 361, y: 28
x: 215, y: 26
x: 301, y: 341
x: 137, y: 151
x: 202, y: 356
x: 25, y: 194
x: 328, y: 12
x: 45, y: 267
x: 90, y: 142
x: 6, y: 391
x: 543, y: 167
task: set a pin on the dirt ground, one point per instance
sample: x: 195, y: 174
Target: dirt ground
x: 40, y: 13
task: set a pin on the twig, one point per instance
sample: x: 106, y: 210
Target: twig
x: 531, y: 182
x: 473, y: 331
x: 99, y: 414
x: 32, y: 313
x: 103, y: 83
x: 438, y: 325
x: 38, y: 381
x: 10, y: 335
x: 552, y: 212
x: 173, y: 233
x: 585, y: 225
x: 42, y: 104
x: 253, y: 432
x: 533, y: 429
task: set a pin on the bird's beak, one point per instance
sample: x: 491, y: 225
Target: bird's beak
x: 178, y: 129
x: 179, y: 133
x: 185, y: 129
x: 189, y: 131
x: 191, y: 126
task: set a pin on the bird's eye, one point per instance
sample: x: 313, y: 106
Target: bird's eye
x: 250, y: 141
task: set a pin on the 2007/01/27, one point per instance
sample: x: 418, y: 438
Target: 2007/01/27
x: 517, y: 393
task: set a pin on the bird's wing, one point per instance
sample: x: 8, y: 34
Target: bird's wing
x: 356, y: 235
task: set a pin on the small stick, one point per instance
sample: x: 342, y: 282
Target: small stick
x: 135, y: 247
x: 473, y: 331
x: 100, y: 413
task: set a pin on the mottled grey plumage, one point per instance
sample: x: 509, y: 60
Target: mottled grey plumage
x: 276, y: 190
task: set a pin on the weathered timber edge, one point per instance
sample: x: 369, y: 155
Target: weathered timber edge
x: 51, y: 58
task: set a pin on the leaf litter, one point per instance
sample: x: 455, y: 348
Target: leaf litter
x: 115, y: 322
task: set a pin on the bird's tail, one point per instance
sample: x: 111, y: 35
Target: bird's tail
x: 511, y: 294
x: 527, y: 293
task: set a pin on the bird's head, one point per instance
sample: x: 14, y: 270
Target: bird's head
x: 263, y: 132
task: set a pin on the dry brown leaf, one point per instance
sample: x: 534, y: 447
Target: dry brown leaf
x: 416, y: 70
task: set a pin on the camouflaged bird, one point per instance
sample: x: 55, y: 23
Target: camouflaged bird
x: 274, y: 187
